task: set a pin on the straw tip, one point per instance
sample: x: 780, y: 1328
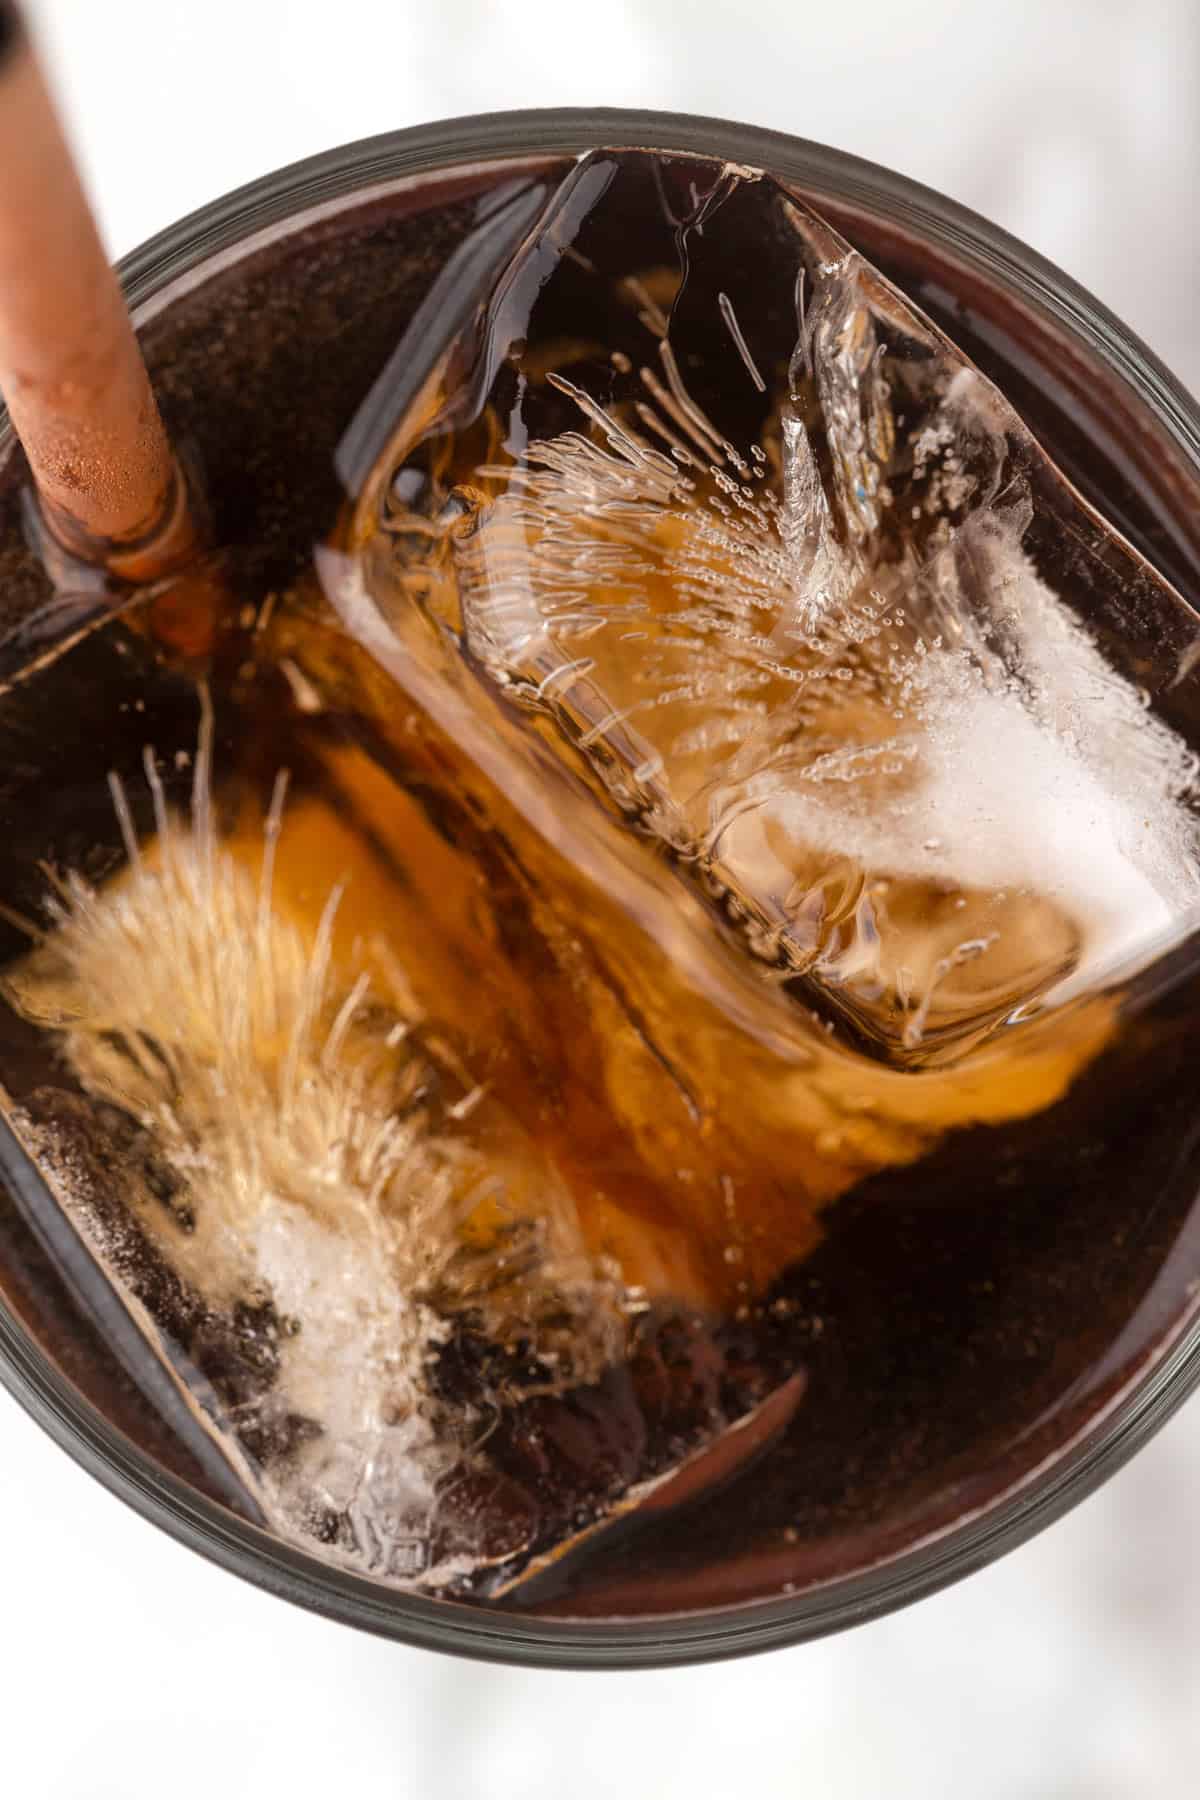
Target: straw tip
x: 76, y: 560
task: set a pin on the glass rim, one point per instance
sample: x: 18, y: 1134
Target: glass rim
x: 1035, y: 1499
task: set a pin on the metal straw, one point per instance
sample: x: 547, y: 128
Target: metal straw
x: 71, y: 371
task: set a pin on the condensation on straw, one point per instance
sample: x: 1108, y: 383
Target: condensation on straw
x: 71, y: 371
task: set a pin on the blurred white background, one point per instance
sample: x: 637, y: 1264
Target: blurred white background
x: 1071, y: 1671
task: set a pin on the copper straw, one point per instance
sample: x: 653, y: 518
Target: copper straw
x: 71, y: 371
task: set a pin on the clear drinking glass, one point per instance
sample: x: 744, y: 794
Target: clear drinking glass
x: 266, y: 316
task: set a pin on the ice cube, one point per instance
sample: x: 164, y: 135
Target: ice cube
x: 754, y: 547
x: 240, y: 1048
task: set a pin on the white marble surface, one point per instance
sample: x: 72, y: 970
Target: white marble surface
x: 1071, y: 1671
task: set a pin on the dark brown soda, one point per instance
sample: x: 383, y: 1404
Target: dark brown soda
x: 959, y: 1320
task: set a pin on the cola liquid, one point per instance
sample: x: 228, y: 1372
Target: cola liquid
x: 617, y: 1327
